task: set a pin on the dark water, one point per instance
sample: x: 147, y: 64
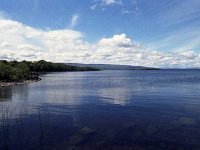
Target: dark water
x: 107, y: 110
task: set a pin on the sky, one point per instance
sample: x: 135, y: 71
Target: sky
x: 154, y: 33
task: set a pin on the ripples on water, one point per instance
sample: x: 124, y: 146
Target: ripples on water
x: 103, y: 110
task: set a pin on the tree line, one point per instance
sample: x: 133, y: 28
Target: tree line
x: 26, y: 70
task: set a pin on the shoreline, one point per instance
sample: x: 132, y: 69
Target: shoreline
x: 12, y: 83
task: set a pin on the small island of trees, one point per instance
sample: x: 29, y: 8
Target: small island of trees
x: 27, y: 70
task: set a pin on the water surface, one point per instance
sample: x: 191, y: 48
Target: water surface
x: 149, y: 109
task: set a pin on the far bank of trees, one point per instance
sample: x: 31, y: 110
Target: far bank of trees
x: 26, y: 70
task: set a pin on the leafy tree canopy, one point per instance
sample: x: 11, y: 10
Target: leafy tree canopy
x: 25, y: 70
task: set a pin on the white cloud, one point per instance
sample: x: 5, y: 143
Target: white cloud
x: 110, y: 2
x: 134, y: 11
x: 104, y: 3
x: 117, y: 40
x: 93, y: 7
x: 18, y: 41
x: 74, y: 20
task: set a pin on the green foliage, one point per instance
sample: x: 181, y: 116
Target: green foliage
x: 24, y: 70
x: 5, y: 70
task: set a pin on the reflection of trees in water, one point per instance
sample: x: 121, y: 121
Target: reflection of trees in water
x: 5, y: 94
x: 20, y: 93
x: 16, y: 93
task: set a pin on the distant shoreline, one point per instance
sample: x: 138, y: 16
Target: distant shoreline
x: 113, y: 66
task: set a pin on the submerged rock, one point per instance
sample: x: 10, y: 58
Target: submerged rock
x: 137, y: 147
x: 129, y: 124
x: 187, y: 121
x: 151, y: 129
x: 86, y: 131
x: 110, y: 134
x: 75, y: 139
x: 79, y: 137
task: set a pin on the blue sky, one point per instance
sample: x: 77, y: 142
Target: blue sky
x: 166, y: 26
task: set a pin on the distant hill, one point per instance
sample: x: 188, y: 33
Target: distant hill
x: 112, y: 67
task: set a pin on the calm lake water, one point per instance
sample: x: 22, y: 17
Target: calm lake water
x: 105, y: 110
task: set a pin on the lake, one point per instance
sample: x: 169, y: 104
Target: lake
x: 104, y: 110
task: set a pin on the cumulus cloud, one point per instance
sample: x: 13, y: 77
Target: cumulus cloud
x: 117, y: 40
x: 19, y: 42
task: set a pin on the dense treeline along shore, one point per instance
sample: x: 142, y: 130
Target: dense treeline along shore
x: 14, y: 72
